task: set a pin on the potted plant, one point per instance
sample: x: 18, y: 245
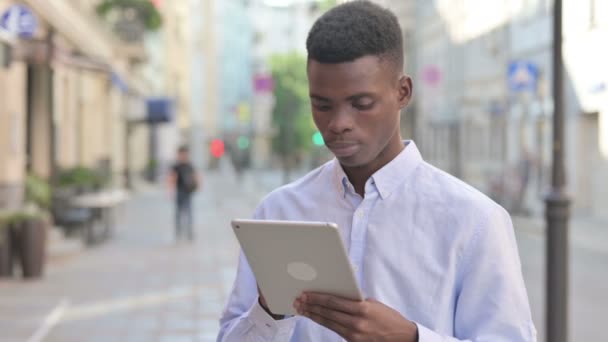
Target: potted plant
x: 151, y: 170
x: 6, y: 251
x: 37, y: 191
x: 79, y: 179
x: 30, y: 227
x: 131, y: 18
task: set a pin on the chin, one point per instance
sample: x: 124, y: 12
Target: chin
x: 352, y: 161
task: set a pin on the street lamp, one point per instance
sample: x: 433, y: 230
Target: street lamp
x: 557, y: 203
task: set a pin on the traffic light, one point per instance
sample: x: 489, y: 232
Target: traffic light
x: 242, y: 142
x: 217, y: 148
x: 317, y: 139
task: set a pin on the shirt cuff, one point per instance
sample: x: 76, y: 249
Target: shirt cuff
x: 427, y: 335
x: 269, y: 328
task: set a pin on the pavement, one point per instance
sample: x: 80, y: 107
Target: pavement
x: 588, y: 270
x: 144, y: 286
x: 585, y: 232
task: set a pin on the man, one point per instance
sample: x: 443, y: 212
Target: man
x: 183, y: 182
x: 436, y: 259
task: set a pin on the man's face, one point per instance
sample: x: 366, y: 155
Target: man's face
x: 356, y: 107
x: 183, y: 156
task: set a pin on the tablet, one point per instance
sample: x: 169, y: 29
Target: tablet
x: 289, y: 258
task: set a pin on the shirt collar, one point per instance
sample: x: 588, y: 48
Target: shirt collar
x: 341, y: 180
x: 389, y: 176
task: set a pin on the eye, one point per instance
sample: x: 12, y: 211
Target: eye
x: 364, y: 104
x: 322, y: 108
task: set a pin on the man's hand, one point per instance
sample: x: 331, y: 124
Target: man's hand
x: 172, y: 184
x: 356, y: 321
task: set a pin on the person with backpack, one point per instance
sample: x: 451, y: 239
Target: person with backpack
x: 183, y: 182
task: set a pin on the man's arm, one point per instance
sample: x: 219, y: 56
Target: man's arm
x: 172, y: 181
x: 244, y: 319
x: 492, y: 304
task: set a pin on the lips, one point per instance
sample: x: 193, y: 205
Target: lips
x: 343, y: 149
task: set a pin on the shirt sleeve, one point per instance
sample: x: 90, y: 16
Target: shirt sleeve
x: 243, y: 319
x: 491, y: 304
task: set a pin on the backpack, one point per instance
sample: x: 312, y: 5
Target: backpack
x: 188, y: 179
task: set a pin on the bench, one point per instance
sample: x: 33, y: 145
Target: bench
x: 102, y: 205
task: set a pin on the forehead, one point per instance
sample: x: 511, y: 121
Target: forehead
x: 368, y: 73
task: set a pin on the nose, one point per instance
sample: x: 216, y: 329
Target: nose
x: 341, y: 122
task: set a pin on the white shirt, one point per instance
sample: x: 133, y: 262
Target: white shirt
x: 422, y: 242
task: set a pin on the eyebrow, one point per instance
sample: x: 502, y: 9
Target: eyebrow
x: 350, y: 98
x: 319, y: 98
x: 359, y: 95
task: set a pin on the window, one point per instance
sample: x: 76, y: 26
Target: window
x: 533, y: 8
x: 597, y: 13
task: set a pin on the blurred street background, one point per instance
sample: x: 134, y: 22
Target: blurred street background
x: 96, y: 96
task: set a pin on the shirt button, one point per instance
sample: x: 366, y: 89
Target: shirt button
x: 359, y: 213
x: 355, y: 268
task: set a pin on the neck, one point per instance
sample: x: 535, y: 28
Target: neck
x: 358, y: 175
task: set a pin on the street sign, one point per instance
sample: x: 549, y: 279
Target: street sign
x: 263, y: 83
x: 19, y: 20
x: 522, y: 76
x: 160, y: 110
x: 119, y: 83
x: 431, y: 75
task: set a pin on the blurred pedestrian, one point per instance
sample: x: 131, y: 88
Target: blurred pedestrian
x: 183, y: 181
x: 237, y: 159
x: 526, y: 166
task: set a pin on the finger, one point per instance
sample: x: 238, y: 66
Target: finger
x: 334, y: 303
x: 339, y: 317
x: 341, y: 330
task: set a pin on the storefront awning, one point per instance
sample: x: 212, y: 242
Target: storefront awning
x: 159, y: 109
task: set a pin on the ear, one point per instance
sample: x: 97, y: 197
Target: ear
x: 405, y: 91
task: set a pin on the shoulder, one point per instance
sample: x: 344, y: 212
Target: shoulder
x: 305, y: 189
x: 462, y: 211
x: 306, y: 186
x: 445, y: 188
x: 458, y: 215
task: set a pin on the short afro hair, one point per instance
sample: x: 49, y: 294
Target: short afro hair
x: 353, y: 30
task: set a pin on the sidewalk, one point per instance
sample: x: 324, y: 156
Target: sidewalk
x: 141, y: 285
x: 586, y: 233
x: 587, y: 274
